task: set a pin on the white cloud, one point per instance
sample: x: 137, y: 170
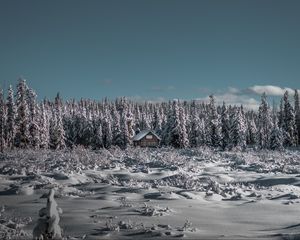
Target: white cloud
x: 248, y: 97
x: 234, y: 90
x: 245, y: 97
x: 234, y: 99
x: 269, y: 90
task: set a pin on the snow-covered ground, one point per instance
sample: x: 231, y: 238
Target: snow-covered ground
x: 153, y: 193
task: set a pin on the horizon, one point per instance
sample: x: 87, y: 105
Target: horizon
x: 273, y: 94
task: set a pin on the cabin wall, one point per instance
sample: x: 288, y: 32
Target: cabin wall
x: 149, y: 142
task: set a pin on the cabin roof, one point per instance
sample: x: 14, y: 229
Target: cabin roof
x: 143, y: 133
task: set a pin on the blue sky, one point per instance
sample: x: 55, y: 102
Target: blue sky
x: 150, y: 49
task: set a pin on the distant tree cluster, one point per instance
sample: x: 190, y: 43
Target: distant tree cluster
x: 26, y: 123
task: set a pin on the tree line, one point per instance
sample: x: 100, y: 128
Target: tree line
x: 58, y: 124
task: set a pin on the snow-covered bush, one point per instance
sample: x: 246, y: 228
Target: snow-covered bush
x: 47, y: 226
x: 11, y: 226
x: 151, y: 211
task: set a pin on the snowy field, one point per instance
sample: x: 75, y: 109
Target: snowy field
x: 153, y: 193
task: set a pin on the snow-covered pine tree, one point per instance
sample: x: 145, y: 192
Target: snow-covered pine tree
x: 276, y: 138
x: 203, y: 135
x: 280, y: 114
x: 137, y: 117
x: 194, y: 134
x: 187, y: 115
x: 157, y: 121
x: 10, y: 120
x: 87, y: 129
x: 183, y: 139
x: 274, y: 113
x: 116, y: 128
x: 264, y: 125
x: 34, y: 131
x: 72, y: 122
x: 47, y: 226
x: 175, y: 133
x: 44, y: 127
x: 213, y: 123
x: 57, y: 132
x: 251, y: 131
x: 166, y: 128
x: 125, y: 135
x: 297, y: 115
x: 22, y: 121
x: 166, y: 124
x: 238, y: 129
x: 225, y: 128
x: 288, y: 122
x: 98, y: 132
x: 162, y: 112
x: 130, y: 123
x: 172, y: 130
x: 106, y: 128
x: 2, y: 122
x: 59, y: 124
x: 79, y: 125
x: 144, y: 123
x: 52, y: 130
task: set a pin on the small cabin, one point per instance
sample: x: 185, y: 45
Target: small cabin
x: 146, y: 138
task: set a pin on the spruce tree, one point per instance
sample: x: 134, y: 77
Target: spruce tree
x: 225, y: 128
x: 194, y: 133
x: 130, y: 123
x: 34, y: 131
x: 98, y: 138
x: 238, y: 130
x: 144, y: 123
x: 116, y: 128
x: 59, y: 124
x: 173, y: 126
x: 276, y: 138
x: 264, y: 126
x: 183, y: 136
x: 44, y: 127
x: 213, y: 123
x: 281, y: 114
x: 11, y: 114
x: 166, y: 128
x: 251, y: 131
x: 106, y: 129
x: 2, y: 122
x: 22, y: 121
x: 288, y: 121
x: 157, y: 122
x: 87, y: 128
x: 125, y: 135
x: 297, y: 115
x: 57, y: 132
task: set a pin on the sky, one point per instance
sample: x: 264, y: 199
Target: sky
x: 152, y: 49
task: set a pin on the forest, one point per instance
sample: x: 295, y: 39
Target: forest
x: 221, y: 171
x: 27, y: 123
